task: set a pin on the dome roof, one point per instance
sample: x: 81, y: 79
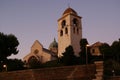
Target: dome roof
x: 54, y: 44
x: 70, y: 10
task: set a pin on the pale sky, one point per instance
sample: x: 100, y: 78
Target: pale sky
x: 31, y: 20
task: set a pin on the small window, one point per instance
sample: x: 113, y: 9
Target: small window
x: 63, y: 23
x: 75, y: 22
x: 61, y: 33
x: 66, y: 31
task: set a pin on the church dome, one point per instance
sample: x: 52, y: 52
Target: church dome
x: 69, y: 10
x: 54, y: 44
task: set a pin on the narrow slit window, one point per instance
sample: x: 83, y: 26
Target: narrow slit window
x: 75, y: 22
x: 63, y: 23
x: 66, y: 31
x: 61, y: 33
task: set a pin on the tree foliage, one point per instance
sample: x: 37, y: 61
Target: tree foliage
x: 111, y: 52
x: 111, y: 56
x: 106, y: 51
x: 83, y: 43
x: 109, y: 66
x: 116, y: 50
x: 34, y: 63
x: 53, y: 63
x: 12, y: 65
x: 15, y: 64
x: 68, y: 57
x: 84, y: 50
x: 8, y: 45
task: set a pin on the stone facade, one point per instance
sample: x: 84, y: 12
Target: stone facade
x: 99, y: 70
x: 41, y: 54
x: 94, y: 49
x: 69, y: 31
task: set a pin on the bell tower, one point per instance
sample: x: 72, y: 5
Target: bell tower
x: 69, y: 31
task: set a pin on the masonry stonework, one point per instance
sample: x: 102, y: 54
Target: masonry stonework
x: 69, y: 31
x: 58, y: 73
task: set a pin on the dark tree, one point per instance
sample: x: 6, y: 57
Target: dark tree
x: 106, y: 51
x: 12, y: 65
x: 83, y: 43
x: 111, y: 56
x: 33, y: 63
x: 84, y: 50
x: 116, y: 50
x: 15, y: 64
x: 53, y: 63
x: 8, y: 45
x: 68, y: 57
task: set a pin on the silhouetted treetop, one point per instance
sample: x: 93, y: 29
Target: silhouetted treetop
x: 8, y: 45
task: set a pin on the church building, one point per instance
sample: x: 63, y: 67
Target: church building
x: 69, y: 33
x: 41, y: 54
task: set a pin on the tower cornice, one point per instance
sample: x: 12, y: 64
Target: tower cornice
x: 67, y: 15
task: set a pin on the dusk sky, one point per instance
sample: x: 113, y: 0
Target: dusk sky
x: 31, y: 20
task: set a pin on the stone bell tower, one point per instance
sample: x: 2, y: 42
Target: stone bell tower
x: 69, y: 31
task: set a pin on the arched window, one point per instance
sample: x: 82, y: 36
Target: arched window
x: 61, y: 33
x: 63, y: 23
x: 75, y: 22
x: 66, y: 30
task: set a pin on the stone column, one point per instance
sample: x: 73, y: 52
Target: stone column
x: 99, y: 70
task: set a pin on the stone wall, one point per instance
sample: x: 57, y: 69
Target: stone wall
x: 99, y: 70
x: 17, y: 75
x: 59, y: 73
x: 112, y: 78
